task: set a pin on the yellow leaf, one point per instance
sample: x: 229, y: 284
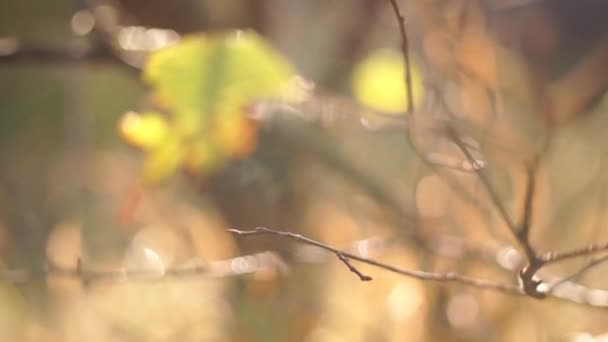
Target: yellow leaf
x: 163, y: 161
x: 144, y: 130
x: 235, y: 134
x: 201, y: 156
x: 378, y: 82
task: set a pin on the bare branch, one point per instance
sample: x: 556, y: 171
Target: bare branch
x: 475, y: 166
x: 430, y: 276
x: 527, y: 274
x: 554, y: 257
x: 581, y: 295
x: 483, y: 177
x: 406, y: 55
x: 524, y: 231
x: 426, y: 159
x: 196, y: 268
x: 352, y: 268
x: 573, y: 294
x: 578, y: 273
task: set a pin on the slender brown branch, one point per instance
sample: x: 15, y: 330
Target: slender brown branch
x: 535, y: 263
x: 422, y: 275
x: 528, y: 199
x: 212, y: 269
x: 409, y: 95
x: 352, y: 268
x: 523, y: 235
x: 405, y: 51
x: 461, y: 145
x: 483, y: 177
x: 554, y: 257
x: 527, y: 274
x: 578, y: 273
x: 579, y: 297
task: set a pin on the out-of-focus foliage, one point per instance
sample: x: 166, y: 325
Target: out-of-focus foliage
x: 378, y: 82
x: 205, y: 83
x: 144, y: 130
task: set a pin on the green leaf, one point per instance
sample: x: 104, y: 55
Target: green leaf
x: 207, y: 75
x: 378, y: 82
x: 204, y: 84
x: 163, y: 161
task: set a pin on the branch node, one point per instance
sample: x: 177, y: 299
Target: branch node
x: 352, y: 268
x: 530, y: 282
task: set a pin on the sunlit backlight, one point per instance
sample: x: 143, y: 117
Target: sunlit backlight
x: 154, y: 261
x: 477, y: 164
x: 243, y: 265
x: 582, y: 337
x: 572, y: 291
x: 509, y: 258
x: 107, y: 15
x: 63, y: 245
x: 239, y: 34
x: 145, y: 263
x: 82, y: 23
x: 248, y: 264
x: 363, y: 248
x: 404, y: 300
x: 150, y: 252
x: 597, y: 297
x: 462, y: 311
x: 131, y: 119
x: 139, y: 38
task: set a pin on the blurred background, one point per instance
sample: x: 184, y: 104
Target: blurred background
x: 90, y: 251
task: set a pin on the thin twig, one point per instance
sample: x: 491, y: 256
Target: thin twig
x: 422, y: 275
x: 527, y: 274
x: 528, y: 200
x: 409, y: 95
x: 405, y: 51
x: 483, y: 177
x: 554, y: 257
x: 529, y: 283
x: 578, y: 273
x: 352, y: 268
x: 535, y: 263
x: 213, y: 269
x: 579, y: 295
x: 583, y: 296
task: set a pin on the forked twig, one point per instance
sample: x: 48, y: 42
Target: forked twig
x: 449, y: 277
x: 520, y: 231
x: 352, y: 268
x: 554, y: 257
x: 422, y: 275
x: 529, y: 284
x: 578, y: 273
